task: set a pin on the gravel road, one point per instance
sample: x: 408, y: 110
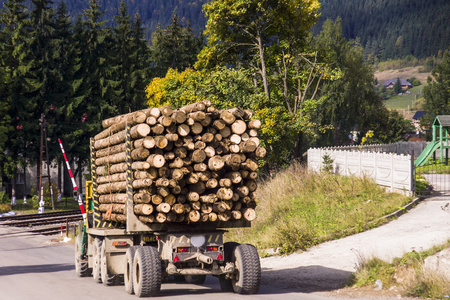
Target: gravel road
x: 327, y: 266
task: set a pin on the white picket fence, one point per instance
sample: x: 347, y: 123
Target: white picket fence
x: 395, y: 172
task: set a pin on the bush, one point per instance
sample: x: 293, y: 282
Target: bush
x: 4, y: 199
x: 5, y: 208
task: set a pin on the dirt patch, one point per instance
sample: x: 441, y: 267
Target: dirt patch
x: 401, y: 73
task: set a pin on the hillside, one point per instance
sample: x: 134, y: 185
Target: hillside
x: 385, y: 28
x: 391, y: 29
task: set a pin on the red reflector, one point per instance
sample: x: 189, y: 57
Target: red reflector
x: 175, y: 259
x: 212, y: 248
x: 119, y: 243
x: 158, y: 238
x: 182, y: 249
x: 219, y: 257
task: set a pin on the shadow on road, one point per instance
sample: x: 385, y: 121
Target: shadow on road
x: 307, y: 279
x: 14, y: 270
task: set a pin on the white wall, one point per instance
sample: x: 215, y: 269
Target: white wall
x: 392, y: 171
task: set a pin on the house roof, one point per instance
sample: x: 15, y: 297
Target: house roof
x: 419, y: 114
x: 393, y: 81
x: 444, y: 120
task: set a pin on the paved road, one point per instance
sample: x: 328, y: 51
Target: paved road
x: 34, y: 268
x: 328, y: 265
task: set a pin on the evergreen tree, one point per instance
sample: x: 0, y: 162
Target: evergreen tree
x: 18, y: 129
x: 397, y: 86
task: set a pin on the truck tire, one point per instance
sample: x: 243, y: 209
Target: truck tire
x: 128, y: 275
x: 81, y: 267
x: 96, y: 270
x: 107, y: 279
x: 228, y: 250
x: 146, y: 272
x: 195, y: 279
x: 248, y: 270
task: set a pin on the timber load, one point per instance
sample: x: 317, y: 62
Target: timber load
x: 189, y: 165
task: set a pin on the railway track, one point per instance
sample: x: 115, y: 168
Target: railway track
x: 46, y: 224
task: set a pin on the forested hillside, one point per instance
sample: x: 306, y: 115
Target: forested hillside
x: 152, y: 12
x: 386, y: 29
x: 392, y: 29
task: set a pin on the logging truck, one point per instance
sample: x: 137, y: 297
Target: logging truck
x: 166, y: 184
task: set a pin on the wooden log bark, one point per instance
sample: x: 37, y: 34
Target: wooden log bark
x: 142, y: 183
x: 238, y: 127
x: 156, y: 160
x: 119, y: 122
x: 146, y: 142
x: 112, y: 178
x: 216, y: 163
x: 163, y: 207
x: 112, y: 187
x: 114, y: 208
x: 249, y: 214
x: 143, y: 209
x: 138, y: 131
x: 142, y: 198
x: 147, y: 219
x: 194, y: 216
x: 161, y: 218
x: 110, y: 150
x: 113, y: 198
x: 114, y: 217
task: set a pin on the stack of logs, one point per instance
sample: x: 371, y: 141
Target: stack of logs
x: 193, y: 164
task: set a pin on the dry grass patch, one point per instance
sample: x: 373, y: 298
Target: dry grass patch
x: 298, y: 209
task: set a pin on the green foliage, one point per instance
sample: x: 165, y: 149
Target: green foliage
x: 4, y: 208
x: 397, y: 86
x: 437, y: 93
x: 175, y: 47
x: 4, y: 199
x: 392, y: 29
x: 327, y: 162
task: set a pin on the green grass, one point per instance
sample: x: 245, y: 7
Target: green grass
x: 406, y: 272
x: 32, y: 205
x: 297, y: 209
x: 405, y: 101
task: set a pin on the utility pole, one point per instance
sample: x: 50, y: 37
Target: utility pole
x: 41, y: 186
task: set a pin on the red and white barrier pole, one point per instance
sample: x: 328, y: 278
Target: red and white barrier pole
x: 75, y: 187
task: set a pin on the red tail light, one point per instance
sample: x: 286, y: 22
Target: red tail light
x: 182, y: 249
x: 212, y: 248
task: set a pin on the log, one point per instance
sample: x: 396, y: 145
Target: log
x: 138, y: 131
x: 212, y: 183
x: 142, y: 183
x: 200, y: 145
x: 146, y: 142
x: 179, y: 117
x: 147, y: 219
x: 163, y: 207
x: 236, y: 215
x: 225, y: 193
x: 115, y: 208
x: 227, y: 117
x: 235, y: 177
x: 158, y: 129
x: 140, y: 154
x: 249, y: 214
x: 251, y: 164
x: 156, y: 160
x: 212, y: 217
x: 216, y: 163
x: 225, y: 182
x: 247, y: 147
x: 171, y: 216
x: 194, y: 216
x: 178, y: 208
x: 198, y: 106
x: 198, y: 187
x: 238, y: 127
x: 161, y: 218
x: 113, y: 198
x: 120, y: 121
x: 176, y: 174
x: 141, y: 175
x: 235, y: 139
x: 112, y: 178
x: 111, y: 159
x: 206, y: 121
x: 196, y: 128
x: 161, y: 142
x: 251, y: 185
x: 254, y: 124
x: 206, y: 208
x: 157, y: 199
x: 141, y: 198
x: 162, y: 182
x: 225, y: 216
x: 225, y: 132
x: 181, y: 152
x: 165, y: 121
x: 198, y: 156
x: 170, y: 199
x: 112, y: 187
x: 193, y: 196
x: 197, y: 116
x: 204, y: 217
x: 166, y: 110
x: 114, y: 217
x: 177, y: 163
x: 143, y: 209
x: 111, y: 150
x: 183, y: 129
x: 260, y: 152
x: 152, y: 120
x: 163, y: 191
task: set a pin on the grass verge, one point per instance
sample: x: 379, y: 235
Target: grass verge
x: 406, y: 272
x: 297, y: 209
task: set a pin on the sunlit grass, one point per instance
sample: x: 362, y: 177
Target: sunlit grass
x: 298, y: 209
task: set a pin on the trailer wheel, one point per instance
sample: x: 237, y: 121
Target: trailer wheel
x: 228, y: 250
x: 248, y: 270
x: 195, y: 279
x: 146, y: 272
x: 107, y: 279
x: 96, y: 270
x: 81, y: 266
x: 128, y: 275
